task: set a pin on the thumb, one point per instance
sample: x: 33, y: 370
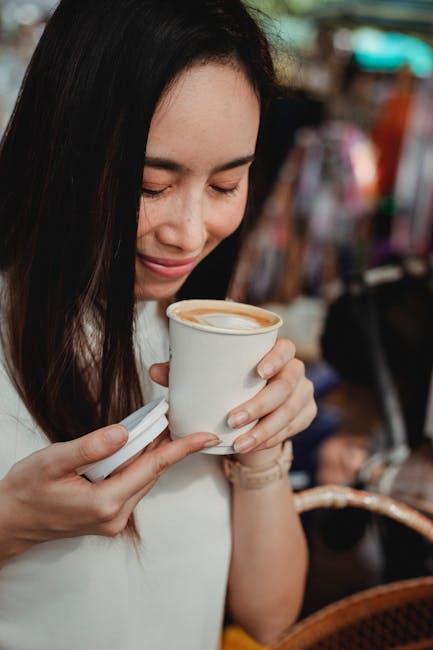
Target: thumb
x: 67, y: 457
x: 159, y: 373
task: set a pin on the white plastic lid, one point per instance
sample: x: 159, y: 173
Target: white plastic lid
x: 143, y: 427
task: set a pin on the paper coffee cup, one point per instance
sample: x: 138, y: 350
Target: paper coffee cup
x: 213, y: 365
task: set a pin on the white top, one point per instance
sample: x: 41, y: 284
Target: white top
x: 95, y: 593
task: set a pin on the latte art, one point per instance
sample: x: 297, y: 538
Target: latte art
x: 232, y: 319
x: 226, y: 321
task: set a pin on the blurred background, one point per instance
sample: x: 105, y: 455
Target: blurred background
x: 339, y: 243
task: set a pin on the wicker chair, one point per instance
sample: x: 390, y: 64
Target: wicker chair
x: 398, y: 616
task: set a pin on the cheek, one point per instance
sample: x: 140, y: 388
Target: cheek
x: 226, y: 218
x: 146, y: 220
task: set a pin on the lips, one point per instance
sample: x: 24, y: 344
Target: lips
x: 167, y: 268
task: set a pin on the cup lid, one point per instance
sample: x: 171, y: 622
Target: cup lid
x: 143, y: 427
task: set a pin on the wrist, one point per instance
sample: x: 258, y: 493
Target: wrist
x: 257, y: 459
x: 11, y: 542
x: 258, y: 476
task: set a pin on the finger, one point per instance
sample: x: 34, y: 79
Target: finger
x: 282, y: 352
x: 136, y: 498
x: 280, y: 419
x: 165, y: 436
x: 66, y: 457
x: 150, y: 466
x: 299, y: 424
x: 275, y: 441
x: 133, y: 502
x: 159, y: 373
x: 276, y: 393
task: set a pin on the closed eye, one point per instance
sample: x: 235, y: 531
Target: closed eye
x: 220, y: 190
x: 151, y: 193
x: 225, y: 190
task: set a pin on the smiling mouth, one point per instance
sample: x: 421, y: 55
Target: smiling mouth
x: 170, y: 269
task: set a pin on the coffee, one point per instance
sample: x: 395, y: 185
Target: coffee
x: 232, y: 317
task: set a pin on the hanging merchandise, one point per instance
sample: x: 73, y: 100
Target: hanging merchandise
x: 337, y: 183
x: 413, y: 223
x: 309, y: 227
x: 336, y: 190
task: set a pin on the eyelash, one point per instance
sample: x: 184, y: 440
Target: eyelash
x: 152, y: 194
x: 227, y: 192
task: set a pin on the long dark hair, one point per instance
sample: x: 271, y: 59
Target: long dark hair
x: 71, y: 164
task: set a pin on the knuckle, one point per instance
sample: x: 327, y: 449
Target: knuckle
x: 287, y: 384
x: 300, y: 367
x: 45, y: 463
x: 161, y: 464
x: 106, y: 511
x: 189, y: 448
x: 86, y: 452
x: 290, y: 411
x: 193, y: 449
x: 263, y: 434
x: 255, y: 406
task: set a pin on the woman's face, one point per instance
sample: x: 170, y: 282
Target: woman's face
x: 195, y: 180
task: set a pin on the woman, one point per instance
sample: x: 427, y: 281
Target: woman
x: 125, y: 163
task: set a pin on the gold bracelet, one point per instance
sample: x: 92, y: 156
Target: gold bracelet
x: 255, y: 478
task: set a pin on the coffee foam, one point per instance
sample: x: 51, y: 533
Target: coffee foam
x: 227, y: 321
x: 236, y: 319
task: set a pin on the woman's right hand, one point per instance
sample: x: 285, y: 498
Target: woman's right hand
x: 43, y: 497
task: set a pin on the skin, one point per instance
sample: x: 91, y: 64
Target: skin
x: 195, y: 208
x: 198, y: 203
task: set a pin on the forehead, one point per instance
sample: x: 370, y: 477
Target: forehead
x: 209, y: 115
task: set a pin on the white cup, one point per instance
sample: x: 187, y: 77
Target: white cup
x: 213, y: 366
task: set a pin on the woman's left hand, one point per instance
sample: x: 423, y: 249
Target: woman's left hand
x: 283, y: 408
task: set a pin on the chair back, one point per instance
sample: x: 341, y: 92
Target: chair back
x: 398, y: 616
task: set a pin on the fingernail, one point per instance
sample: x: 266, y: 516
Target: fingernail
x: 246, y: 444
x: 237, y: 419
x: 116, y: 434
x: 267, y: 370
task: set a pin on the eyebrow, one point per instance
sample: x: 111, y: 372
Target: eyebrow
x: 173, y: 166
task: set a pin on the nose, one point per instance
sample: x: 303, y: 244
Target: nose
x: 185, y: 228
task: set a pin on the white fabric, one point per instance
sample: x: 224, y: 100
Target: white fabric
x: 95, y: 593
